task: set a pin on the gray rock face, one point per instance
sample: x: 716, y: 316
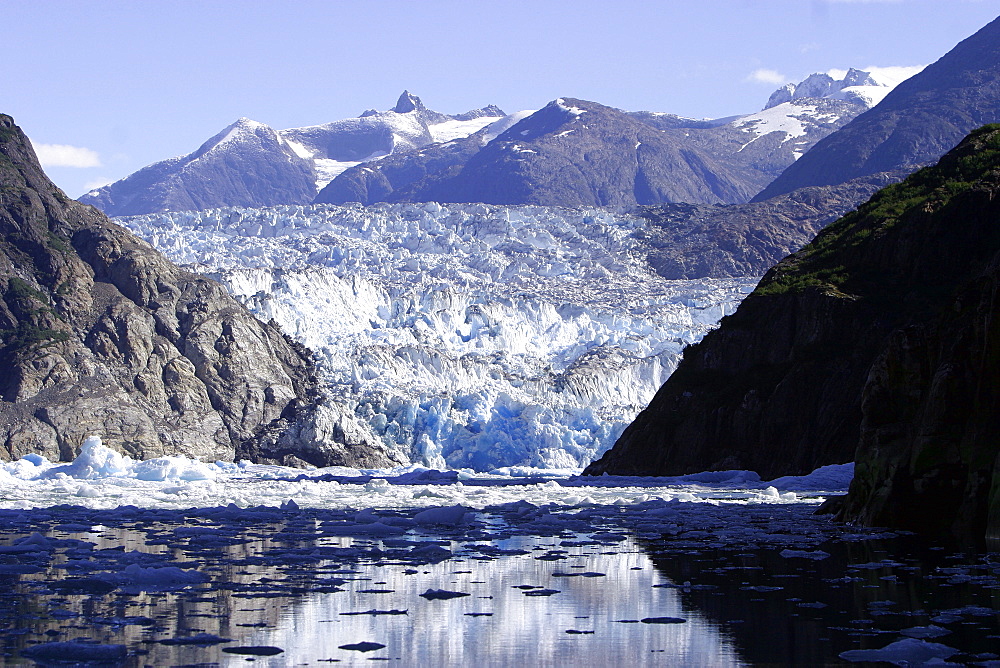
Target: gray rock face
x: 247, y: 164
x: 688, y: 241
x: 914, y: 125
x: 102, y: 335
x: 250, y: 164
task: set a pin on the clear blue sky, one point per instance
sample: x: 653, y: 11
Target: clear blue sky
x: 132, y: 82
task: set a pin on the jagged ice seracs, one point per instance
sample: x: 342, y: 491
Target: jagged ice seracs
x: 461, y: 335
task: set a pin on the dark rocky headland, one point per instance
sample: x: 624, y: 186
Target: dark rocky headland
x: 101, y: 334
x: 875, y: 343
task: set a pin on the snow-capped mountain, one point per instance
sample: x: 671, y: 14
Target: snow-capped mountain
x: 600, y: 156
x: 252, y: 164
x: 916, y: 122
x: 462, y: 335
x: 867, y: 88
x: 575, y: 152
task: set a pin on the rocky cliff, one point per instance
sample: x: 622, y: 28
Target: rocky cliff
x: 916, y: 123
x: 687, y: 241
x: 928, y: 458
x: 878, y: 338
x: 246, y: 164
x: 251, y: 164
x: 102, y: 335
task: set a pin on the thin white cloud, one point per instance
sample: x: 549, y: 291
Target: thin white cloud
x: 64, y: 155
x: 887, y: 76
x: 767, y: 76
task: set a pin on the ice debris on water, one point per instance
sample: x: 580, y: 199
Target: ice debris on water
x: 254, y: 650
x: 442, y: 594
x: 198, y: 639
x: 906, y: 652
x: 443, y: 498
x: 68, y: 653
x: 815, y: 555
x: 364, y: 646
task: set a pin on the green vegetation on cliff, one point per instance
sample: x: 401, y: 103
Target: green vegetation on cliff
x: 874, y: 343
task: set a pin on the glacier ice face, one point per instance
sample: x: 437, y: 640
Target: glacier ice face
x: 463, y: 336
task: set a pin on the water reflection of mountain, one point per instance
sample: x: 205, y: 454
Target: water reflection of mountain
x: 795, y: 610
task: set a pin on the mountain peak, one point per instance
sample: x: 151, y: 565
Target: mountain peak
x: 407, y: 103
x: 822, y: 84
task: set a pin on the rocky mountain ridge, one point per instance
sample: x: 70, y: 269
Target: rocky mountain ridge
x: 411, y: 153
x: 580, y: 153
x: 916, y: 123
x: 875, y: 341
x: 251, y: 164
x: 100, y: 334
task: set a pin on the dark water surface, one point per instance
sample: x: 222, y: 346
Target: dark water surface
x: 701, y: 585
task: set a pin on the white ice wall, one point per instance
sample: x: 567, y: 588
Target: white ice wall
x: 463, y: 335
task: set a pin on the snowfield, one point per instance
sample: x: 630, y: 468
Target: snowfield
x: 461, y: 335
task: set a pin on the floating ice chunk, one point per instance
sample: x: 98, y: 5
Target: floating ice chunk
x: 34, y: 459
x: 831, y: 478
x: 174, y: 468
x: 202, y: 639
x: 155, y: 577
x: 816, y: 555
x: 733, y: 477
x: 442, y: 594
x: 75, y: 652
x: 254, y: 650
x: 450, y: 515
x: 363, y: 646
x: 932, y: 631
x: 906, y: 652
x: 95, y: 460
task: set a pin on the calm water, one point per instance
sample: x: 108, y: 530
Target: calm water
x: 752, y: 584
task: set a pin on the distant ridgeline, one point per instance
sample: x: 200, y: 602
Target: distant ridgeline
x: 101, y: 334
x: 876, y: 342
x: 569, y: 153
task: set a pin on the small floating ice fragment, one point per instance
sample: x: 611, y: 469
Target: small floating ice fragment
x: 932, y: 631
x: 255, y: 650
x: 804, y: 554
x: 75, y: 651
x: 541, y: 592
x: 442, y: 594
x: 906, y: 652
x: 203, y: 639
x: 363, y: 646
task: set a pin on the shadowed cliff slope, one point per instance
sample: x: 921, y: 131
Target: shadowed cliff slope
x: 100, y: 334
x: 842, y: 343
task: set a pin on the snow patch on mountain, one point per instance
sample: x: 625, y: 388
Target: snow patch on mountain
x: 787, y: 118
x: 455, y: 129
x: 462, y: 335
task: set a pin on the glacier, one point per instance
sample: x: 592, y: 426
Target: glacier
x: 462, y: 336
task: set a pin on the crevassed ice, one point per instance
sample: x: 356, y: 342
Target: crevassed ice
x: 462, y: 335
